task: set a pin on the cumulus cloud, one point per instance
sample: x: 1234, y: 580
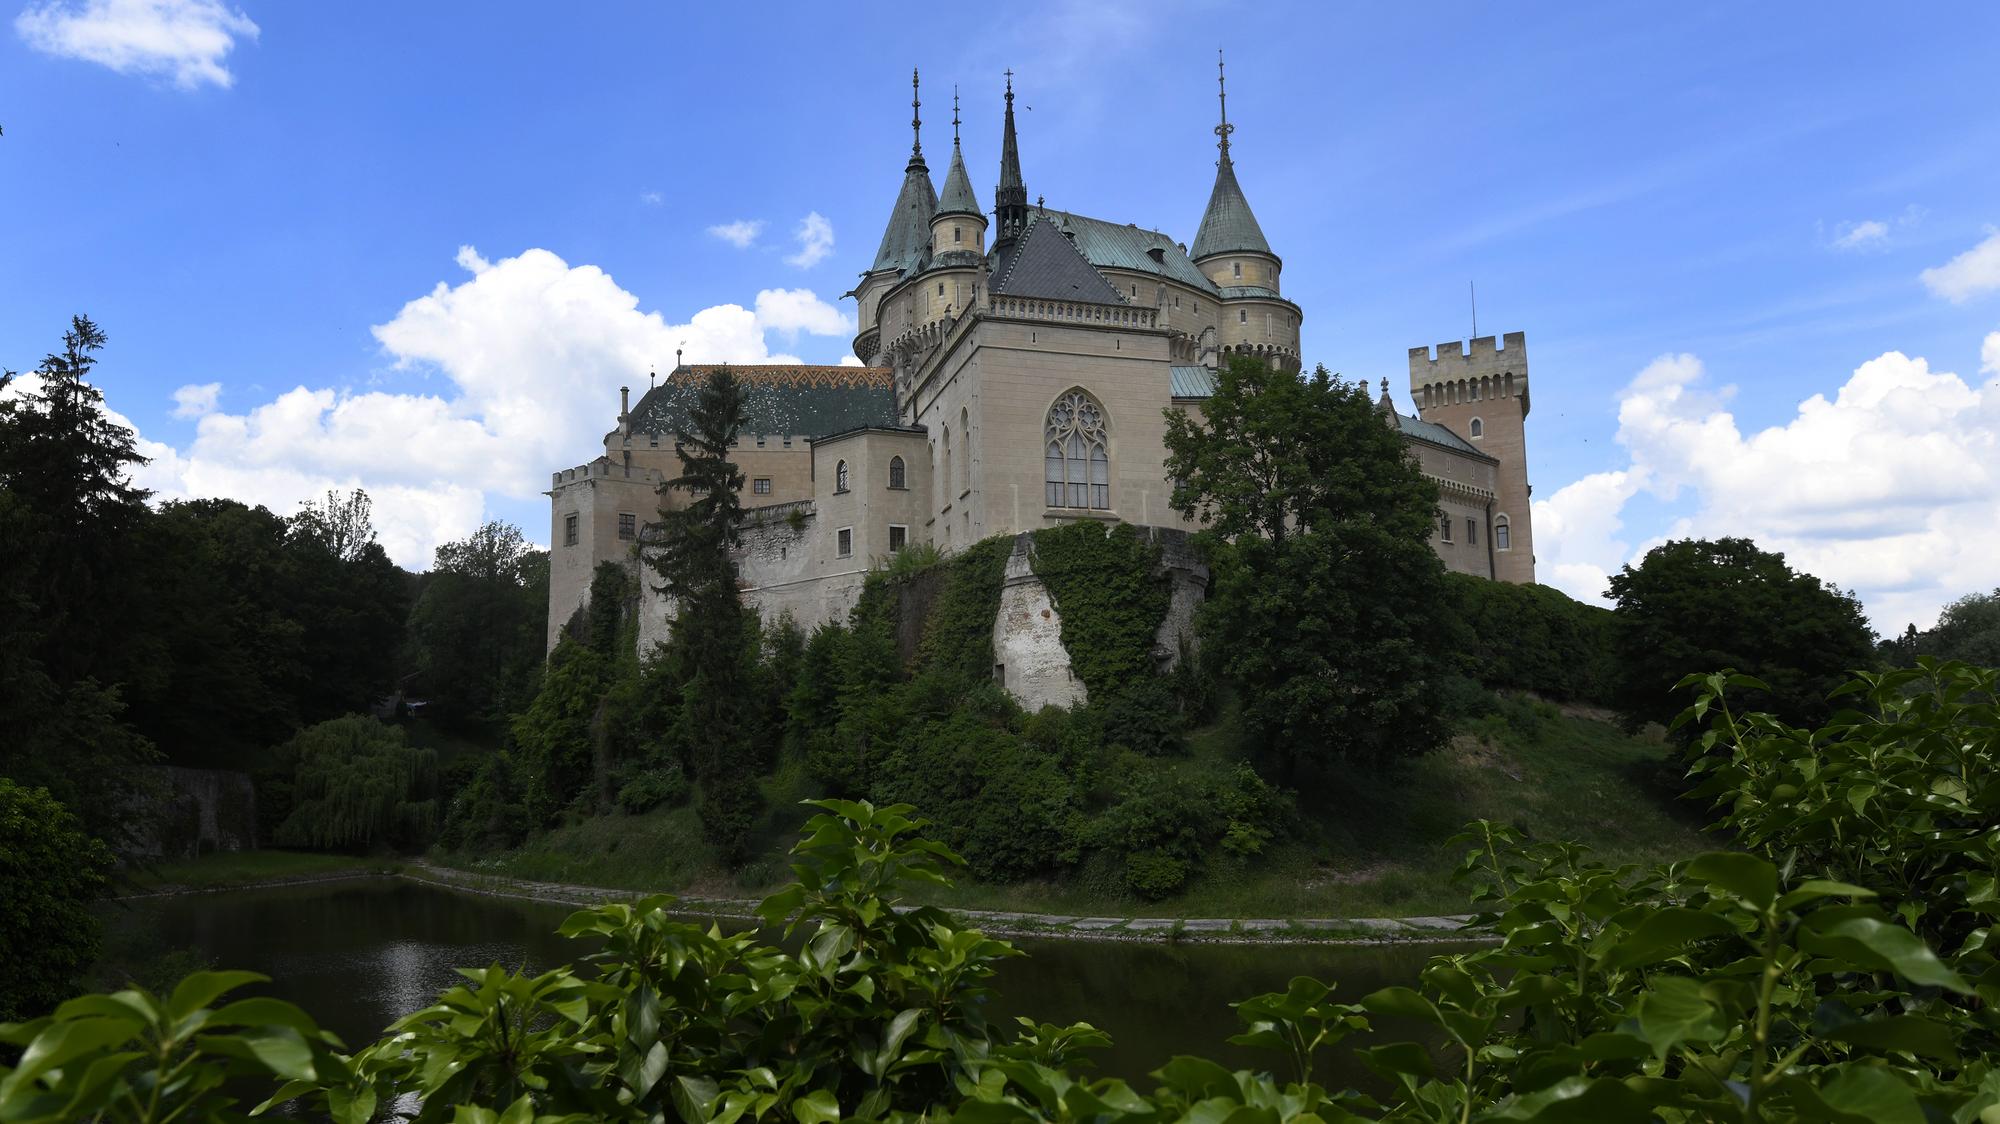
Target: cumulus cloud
x: 1969, y: 274
x: 193, y: 401
x: 182, y: 41
x: 1989, y: 354
x: 1860, y: 235
x: 815, y: 239
x: 652, y: 198
x: 740, y: 234
x: 1888, y: 488
x: 533, y: 350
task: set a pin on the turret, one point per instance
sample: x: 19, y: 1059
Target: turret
x: 1479, y: 390
x: 1010, y: 199
x: 904, y: 239
x: 1230, y: 250
x: 958, y: 229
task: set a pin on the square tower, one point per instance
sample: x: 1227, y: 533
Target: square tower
x: 1480, y: 392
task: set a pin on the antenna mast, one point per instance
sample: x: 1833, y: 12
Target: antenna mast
x: 1474, y: 293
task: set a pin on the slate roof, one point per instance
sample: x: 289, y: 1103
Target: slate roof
x: 792, y: 400
x: 1437, y: 435
x: 1192, y: 382
x: 957, y: 198
x: 907, y: 235
x: 1043, y: 263
x: 1231, y: 292
x: 1228, y: 226
x: 1110, y: 245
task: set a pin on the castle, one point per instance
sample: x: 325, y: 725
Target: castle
x: 1012, y: 384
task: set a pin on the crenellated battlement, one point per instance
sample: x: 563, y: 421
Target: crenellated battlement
x: 1510, y: 349
x: 1461, y: 371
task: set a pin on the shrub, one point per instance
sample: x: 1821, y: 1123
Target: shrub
x: 358, y: 784
x: 50, y: 872
x: 1533, y: 638
x: 651, y: 787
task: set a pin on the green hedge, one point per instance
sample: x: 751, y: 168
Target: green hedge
x: 1533, y: 638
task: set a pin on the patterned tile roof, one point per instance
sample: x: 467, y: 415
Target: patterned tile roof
x: 1192, y: 382
x: 791, y: 399
x: 1043, y: 263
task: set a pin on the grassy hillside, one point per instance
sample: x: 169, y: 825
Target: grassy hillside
x: 1375, y: 848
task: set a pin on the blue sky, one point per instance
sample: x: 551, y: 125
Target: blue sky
x: 418, y: 247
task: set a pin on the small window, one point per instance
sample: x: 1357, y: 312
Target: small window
x: 788, y: 442
x: 1471, y: 532
x: 1236, y: 267
x: 899, y: 537
x: 569, y: 530
x: 940, y: 288
x: 1177, y: 302
x: 957, y: 233
x: 845, y: 541
x: 1000, y: 674
x: 1503, y: 535
x: 1478, y: 429
x: 1242, y: 316
x: 760, y: 441
x: 1444, y: 527
x: 897, y: 476
x: 628, y: 526
x: 761, y: 486
x: 840, y: 478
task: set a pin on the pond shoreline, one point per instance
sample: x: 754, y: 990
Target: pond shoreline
x: 1161, y: 930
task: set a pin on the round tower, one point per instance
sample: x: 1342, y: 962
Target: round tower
x: 905, y: 238
x: 958, y: 229
x: 1231, y: 251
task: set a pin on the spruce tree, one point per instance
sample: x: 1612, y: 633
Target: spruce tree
x: 710, y: 652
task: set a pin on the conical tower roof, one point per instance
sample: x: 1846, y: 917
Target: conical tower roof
x: 958, y: 198
x: 1227, y: 226
x: 908, y: 232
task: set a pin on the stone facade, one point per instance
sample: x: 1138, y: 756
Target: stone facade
x: 1010, y: 386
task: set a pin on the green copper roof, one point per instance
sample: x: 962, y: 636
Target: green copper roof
x: 1191, y: 382
x: 1110, y: 245
x: 908, y: 233
x: 958, y: 198
x: 1044, y: 263
x: 1228, y: 226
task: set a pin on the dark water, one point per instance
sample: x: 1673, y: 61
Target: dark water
x: 358, y: 954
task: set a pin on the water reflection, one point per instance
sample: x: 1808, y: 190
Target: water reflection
x: 360, y: 954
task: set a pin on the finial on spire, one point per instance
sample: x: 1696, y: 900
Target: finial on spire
x: 1009, y: 72
x: 954, y: 115
x: 916, y: 118
x: 1222, y: 93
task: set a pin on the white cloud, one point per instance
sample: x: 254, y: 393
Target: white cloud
x: 855, y: 360
x: 740, y: 233
x: 1888, y: 488
x: 1989, y: 354
x: 192, y: 401
x: 652, y: 198
x: 815, y: 238
x: 1969, y: 274
x: 185, y: 41
x: 533, y: 349
x: 1859, y: 235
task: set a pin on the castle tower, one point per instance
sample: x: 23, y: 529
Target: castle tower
x: 904, y: 239
x: 1230, y: 249
x: 1480, y: 392
x: 1010, y: 199
x: 958, y: 229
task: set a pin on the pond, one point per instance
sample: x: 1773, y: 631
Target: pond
x: 359, y: 953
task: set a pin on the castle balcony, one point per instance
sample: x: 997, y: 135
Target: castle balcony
x: 1075, y: 312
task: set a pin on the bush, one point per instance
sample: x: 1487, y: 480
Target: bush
x: 1533, y: 638
x: 487, y: 813
x: 652, y: 787
x: 50, y: 872
x: 358, y: 784
x: 1006, y: 806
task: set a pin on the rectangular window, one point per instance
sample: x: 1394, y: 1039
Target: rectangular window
x: 1237, y: 268
x: 958, y: 234
x: 1242, y: 316
x: 899, y: 537
x: 760, y: 441
x: 1502, y: 536
x: 761, y: 486
x: 844, y: 541
x: 1444, y: 527
x: 788, y: 442
x: 569, y: 530
x: 1471, y: 533
x: 628, y: 526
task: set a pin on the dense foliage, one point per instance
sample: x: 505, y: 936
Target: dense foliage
x: 357, y: 784
x: 1967, y: 630
x: 1724, y: 989
x: 1695, y: 605
x: 1106, y: 583
x: 50, y: 871
x: 475, y: 638
x: 1326, y: 605
x: 1533, y: 638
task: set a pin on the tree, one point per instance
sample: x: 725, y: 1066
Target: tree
x: 1326, y: 602
x: 358, y: 784
x: 1697, y: 605
x: 354, y: 601
x: 1968, y: 630
x: 710, y: 648
x: 342, y: 525
x: 50, y: 873
x: 475, y: 636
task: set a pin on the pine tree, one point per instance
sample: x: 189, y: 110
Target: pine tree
x: 710, y: 654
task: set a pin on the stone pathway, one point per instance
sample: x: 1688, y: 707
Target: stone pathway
x: 1260, y: 930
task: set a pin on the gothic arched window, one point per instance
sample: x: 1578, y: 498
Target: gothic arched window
x: 840, y: 476
x: 1478, y: 428
x: 1077, y: 464
x: 896, y: 475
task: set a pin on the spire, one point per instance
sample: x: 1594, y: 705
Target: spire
x: 958, y: 197
x: 1010, y: 199
x: 908, y: 232
x: 1227, y: 226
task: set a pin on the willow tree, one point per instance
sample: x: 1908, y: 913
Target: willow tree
x: 357, y: 784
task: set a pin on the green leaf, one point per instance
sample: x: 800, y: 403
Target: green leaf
x: 1746, y: 876
x: 693, y: 1098
x: 1663, y: 933
x: 62, y: 1043
x: 1861, y: 1094
x: 816, y: 1107
x: 1407, y: 1059
x: 1862, y: 936
x: 1910, y: 1033
x: 1674, y: 1010
x: 264, y: 1011
x: 1404, y: 1002
x: 1196, y: 1077
x: 1818, y: 888
x: 1582, y: 1100
x: 202, y: 988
